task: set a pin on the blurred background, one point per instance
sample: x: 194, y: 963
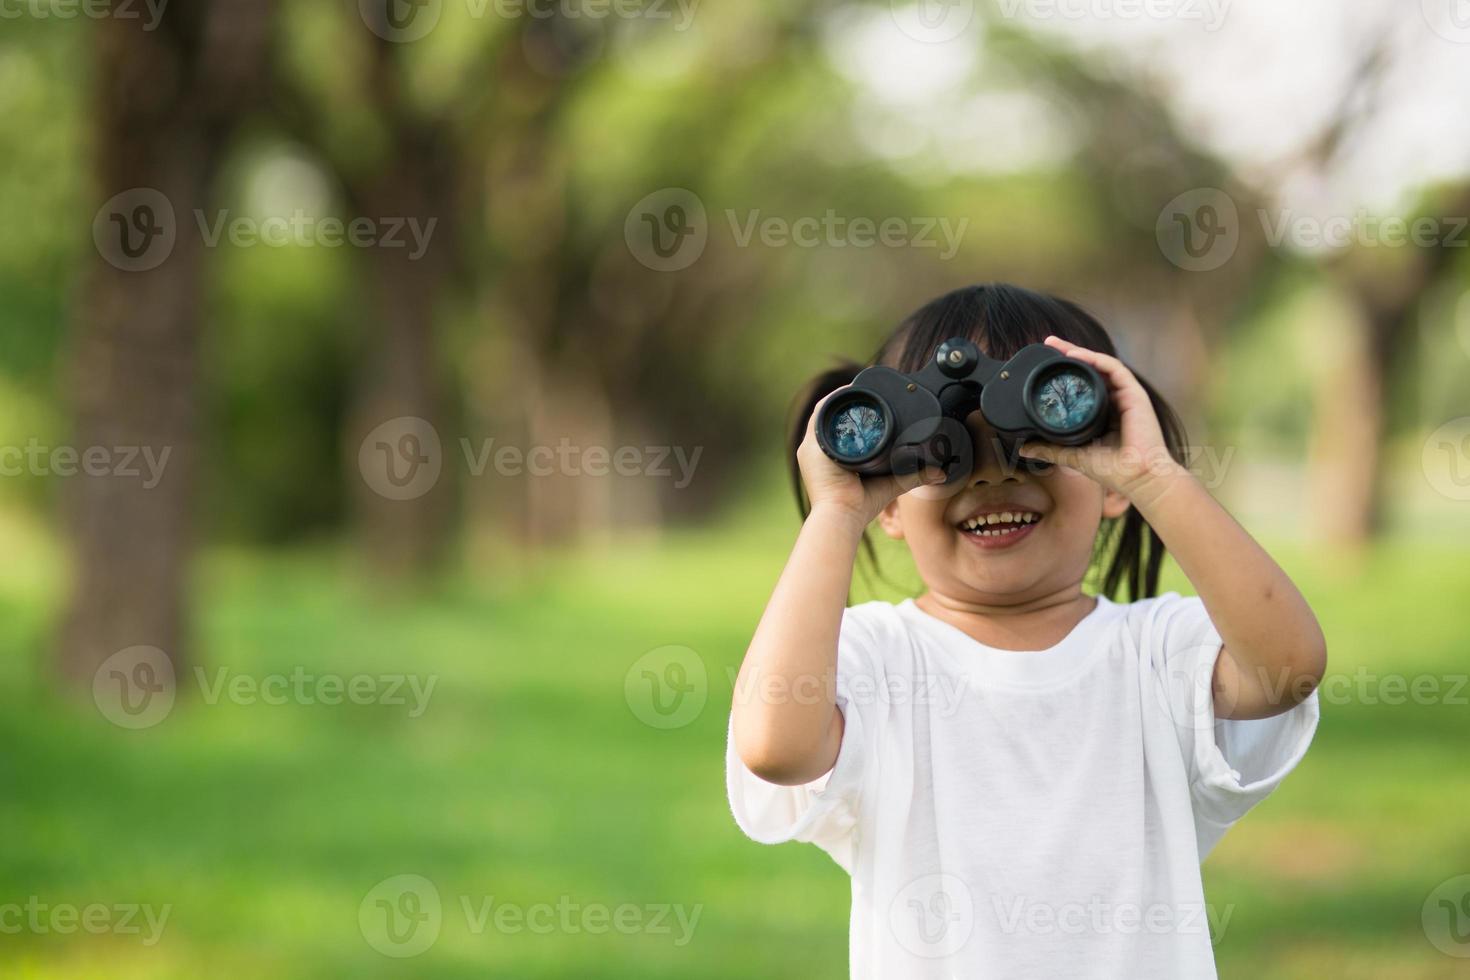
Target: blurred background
x: 392, y: 398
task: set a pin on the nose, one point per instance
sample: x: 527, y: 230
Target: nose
x: 992, y: 468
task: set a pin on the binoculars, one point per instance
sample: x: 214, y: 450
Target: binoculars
x: 890, y: 422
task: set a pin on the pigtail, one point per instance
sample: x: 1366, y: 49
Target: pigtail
x: 1137, y: 551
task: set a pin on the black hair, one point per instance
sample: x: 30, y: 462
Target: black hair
x: 1000, y: 319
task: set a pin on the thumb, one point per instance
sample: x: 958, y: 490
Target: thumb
x: 897, y: 485
x: 1043, y: 451
x: 1073, y: 457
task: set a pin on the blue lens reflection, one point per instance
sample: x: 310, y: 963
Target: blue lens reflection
x: 1065, y: 400
x: 857, y: 430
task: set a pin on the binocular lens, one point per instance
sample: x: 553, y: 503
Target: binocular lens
x: 1065, y: 400
x: 857, y: 430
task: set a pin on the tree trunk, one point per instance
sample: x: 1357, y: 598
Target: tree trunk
x: 402, y: 527
x: 164, y: 104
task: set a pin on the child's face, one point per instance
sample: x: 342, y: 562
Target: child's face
x: 1043, y: 549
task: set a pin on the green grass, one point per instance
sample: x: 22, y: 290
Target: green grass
x: 530, y: 779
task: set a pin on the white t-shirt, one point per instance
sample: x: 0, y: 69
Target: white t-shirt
x: 1020, y: 815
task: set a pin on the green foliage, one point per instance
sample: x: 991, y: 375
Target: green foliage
x: 528, y: 778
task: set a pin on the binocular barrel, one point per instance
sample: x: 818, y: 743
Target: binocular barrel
x: 890, y: 422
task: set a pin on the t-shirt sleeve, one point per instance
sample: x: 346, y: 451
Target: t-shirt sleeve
x: 825, y: 811
x: 1232, y: 764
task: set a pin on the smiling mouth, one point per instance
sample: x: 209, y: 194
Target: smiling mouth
x: 1002, y: 527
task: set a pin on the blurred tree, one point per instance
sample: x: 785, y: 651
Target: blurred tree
x: 166, y: 102
x: 399, y: 154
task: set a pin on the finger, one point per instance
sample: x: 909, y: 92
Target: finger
x: 1106, y: 364
x: 1037, y: 450
x: 811, y: 420
x: 887, y: 488
x: 1119, y: 377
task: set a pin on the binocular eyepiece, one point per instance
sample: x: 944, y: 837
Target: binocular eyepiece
x: 890, y: 422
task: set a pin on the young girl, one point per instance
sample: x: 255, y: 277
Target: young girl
x: 1022, y: 778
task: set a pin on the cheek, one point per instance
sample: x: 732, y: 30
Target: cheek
x: 1078, y: 504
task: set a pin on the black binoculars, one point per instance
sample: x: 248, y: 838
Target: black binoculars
x: 890, y: 422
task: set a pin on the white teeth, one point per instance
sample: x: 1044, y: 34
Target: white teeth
x: 974, y: 524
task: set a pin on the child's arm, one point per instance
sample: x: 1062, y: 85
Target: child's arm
x: 1275, y: 653
x: 785, y: 722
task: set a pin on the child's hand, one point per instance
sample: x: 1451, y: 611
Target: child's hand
x: 1132, y: 458
x: 832, y: 488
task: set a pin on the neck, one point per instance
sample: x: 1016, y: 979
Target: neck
x: 1032, y: 622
